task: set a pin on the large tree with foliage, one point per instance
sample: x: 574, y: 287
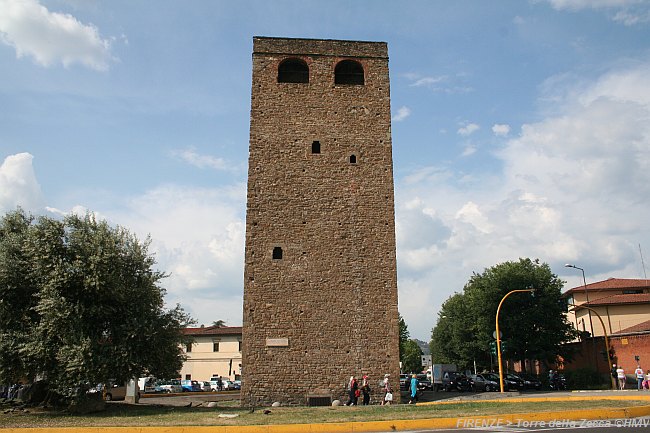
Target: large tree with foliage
x: 410, y: 354
x: 80, y: 303
x: 534, y: 326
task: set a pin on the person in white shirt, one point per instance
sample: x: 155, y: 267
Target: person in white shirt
x: 639, y: 377
x: 621, y: 377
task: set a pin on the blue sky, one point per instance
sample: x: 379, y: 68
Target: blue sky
x: 520, y: 129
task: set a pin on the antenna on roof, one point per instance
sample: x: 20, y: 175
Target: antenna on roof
x: 643, y: 264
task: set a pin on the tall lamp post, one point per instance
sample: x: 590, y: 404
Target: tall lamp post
x: 591, y: 323
x: 498, y: 334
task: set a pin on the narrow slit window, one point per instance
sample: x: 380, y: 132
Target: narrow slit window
x: 277, y: 253
x: 353, y: 159
x: 315, y: 147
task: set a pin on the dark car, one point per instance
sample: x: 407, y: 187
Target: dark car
x: 481, y: 383
x: 530, y: 381
x: 508, y: 384
x: 404, y: 381
x: 455, y: 381
x: 424, y: 383
x: 518, y: 382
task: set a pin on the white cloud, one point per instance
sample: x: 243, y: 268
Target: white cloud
x: 427, y: 81
x: 402, y: 113
x: 468, y: 129
x: 440, y: 83
x: 52, y: 37
x: 574, y: 187
x: 201, y: 161
x: 500, y: 130
x: 591, y: 4
x: 198, y: 237
x: 469, y: 150
x: 628, y: 12
x: 18, y: 184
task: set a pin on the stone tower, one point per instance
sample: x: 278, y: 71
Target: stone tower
x: 320, y: 289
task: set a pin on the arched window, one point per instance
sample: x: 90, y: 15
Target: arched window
x: 348, y: 72
x: 315, y: 147
x: 293, y: 71
x: 353, y: 159
x: 277, y: 253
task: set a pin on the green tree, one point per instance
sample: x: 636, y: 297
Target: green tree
x: 403, y: 336
x: 412, y: 357
x: 219, y: 323
x: 535, y: 327
x: 80, y: 303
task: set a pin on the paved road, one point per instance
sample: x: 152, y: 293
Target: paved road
x: 197, y: 399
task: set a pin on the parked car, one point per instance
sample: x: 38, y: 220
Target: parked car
x: 424, y: 382
x: 404, y: 381
x: 516, y: 380
x: 190, y: 386
x: 215, y: 384
x: 481, y: 383
x: 530, y: 381
x: 508, y: 384
x: 205, y: 386
x: 170, y: 386
x: 113, y: 391
x: 455, y: 381
x: 227, y: 384
x: 237, y: 384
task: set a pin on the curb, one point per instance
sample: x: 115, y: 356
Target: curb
x: 563, y: 418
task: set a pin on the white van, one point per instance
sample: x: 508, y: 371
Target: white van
x: 147, y: 385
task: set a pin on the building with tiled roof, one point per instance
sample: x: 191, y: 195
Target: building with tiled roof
x: 641, y: 328
x: 619, y: 302
x: 214, y: 351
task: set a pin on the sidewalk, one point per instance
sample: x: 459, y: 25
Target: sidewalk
x: 565, y: 417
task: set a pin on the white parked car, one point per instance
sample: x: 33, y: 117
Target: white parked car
x: 227, y: 384
x: 205, y: 386
x: 170, y: 386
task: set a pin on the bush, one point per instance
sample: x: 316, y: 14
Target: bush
x: 586, y: 378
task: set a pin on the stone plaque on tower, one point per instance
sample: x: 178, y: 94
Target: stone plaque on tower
x: 320, y: 278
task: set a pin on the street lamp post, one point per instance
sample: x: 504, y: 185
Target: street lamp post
x: 591, y: 323
x: 498, y: 334
x: 609, y: 361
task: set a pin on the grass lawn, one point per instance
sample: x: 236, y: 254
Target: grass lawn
x: 122, y: 414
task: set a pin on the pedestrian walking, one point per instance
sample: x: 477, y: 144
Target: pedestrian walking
x: 388, y: 392
x: 365, y: 389
x: 639, y: 377
x: 353, y: 392
x: 615, y: 375
x: 620, y: 373
x: 414, y: 389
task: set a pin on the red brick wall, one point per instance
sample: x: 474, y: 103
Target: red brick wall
x: 625, y: 347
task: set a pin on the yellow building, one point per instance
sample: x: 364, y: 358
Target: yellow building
x: 215, y: 351
x: 620, y: 303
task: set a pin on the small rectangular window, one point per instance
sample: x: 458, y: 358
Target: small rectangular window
x: 240, y: 348
x: 188, y: 377
x: 215, y: 346
x: 315, y: 147
x: 277, y: 253
x: 188, y: 348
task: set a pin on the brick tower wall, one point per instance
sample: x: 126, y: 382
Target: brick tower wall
x: 328, y: 308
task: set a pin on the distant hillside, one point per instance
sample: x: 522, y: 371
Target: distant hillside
x: 424, y: 346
